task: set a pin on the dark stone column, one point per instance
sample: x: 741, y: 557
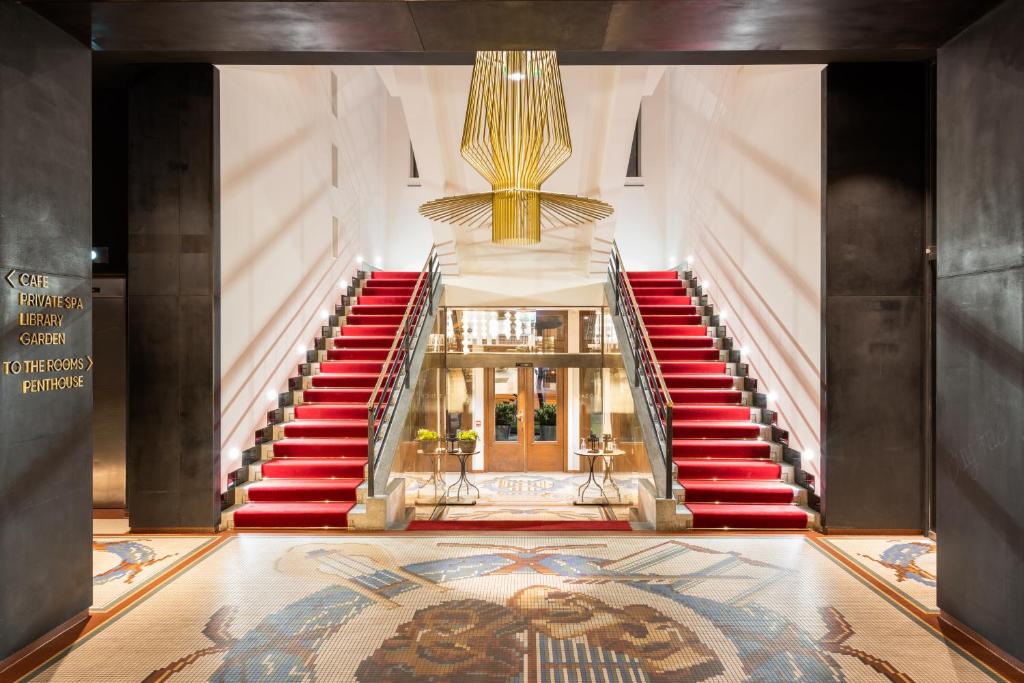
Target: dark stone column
x: 875, y: 191
x: 173, y: 299
x: 980, y: 321
x: 45, y: 228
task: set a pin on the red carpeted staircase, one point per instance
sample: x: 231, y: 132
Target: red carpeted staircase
x: 730, y: 472
x: 318, y: 461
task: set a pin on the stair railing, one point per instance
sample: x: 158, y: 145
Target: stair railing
x: 647, y: 372
x: 394, y: 376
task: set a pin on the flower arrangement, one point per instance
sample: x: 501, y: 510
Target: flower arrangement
x: 467, y: 440
x: 427, y: 439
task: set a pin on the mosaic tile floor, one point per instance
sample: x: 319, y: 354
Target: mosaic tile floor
x: 522, y: 496
x: 906, y: 564
x: 123, y: 565
x: 515, y: 608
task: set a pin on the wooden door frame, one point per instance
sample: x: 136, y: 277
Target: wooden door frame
x: 561, y: 380
x: 489, y: 426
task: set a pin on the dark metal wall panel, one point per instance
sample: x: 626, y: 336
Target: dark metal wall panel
x: 980, y: 320
x: 875, y: 186
x: 45, y: 438
x: 173, y: 416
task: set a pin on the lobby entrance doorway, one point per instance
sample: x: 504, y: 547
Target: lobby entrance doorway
x: 525, y: 419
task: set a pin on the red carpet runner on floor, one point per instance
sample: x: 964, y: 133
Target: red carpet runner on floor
x: 518, y: 525
x: 727, y: 472
x: 318, y: 465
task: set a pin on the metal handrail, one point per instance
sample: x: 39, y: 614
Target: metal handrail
x: 646, y: 369
x: 388, y: 389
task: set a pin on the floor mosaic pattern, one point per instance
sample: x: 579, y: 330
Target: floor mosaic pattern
x: 517, y: 607
x: 123, y: 565
x: 906, y: 564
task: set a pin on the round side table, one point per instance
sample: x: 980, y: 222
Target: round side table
x: 462, y: 481
x: 437, y: 476
x: 591, y: 480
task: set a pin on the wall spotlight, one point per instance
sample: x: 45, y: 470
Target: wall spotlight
x: 705, y: 285
x: 235, y: 453
x: 377, y: 261
x: 689, y: 259
x: 343, y: 284
x: 359, y: 260
x: 92, y: 254
x: 772, y: 396
x: 324, y: 314
x: 672, y: 261
x: 744, y: 351
x: 723, y: 315
x: 271, y: 395
x: 809, y: 454
x: 300, y: 349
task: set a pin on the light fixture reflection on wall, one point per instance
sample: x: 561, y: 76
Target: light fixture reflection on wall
x: 516, y: 134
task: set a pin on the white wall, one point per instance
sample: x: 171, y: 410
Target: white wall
x: 277, y: 201
x: 742, y: 174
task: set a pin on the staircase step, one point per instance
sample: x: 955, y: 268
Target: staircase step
x: 356, y: 366
x: 728, y: 469
x: 691, y: 367
x: 378, y: 354
x: 347, y: 379
x: 368, y: 300
x: 344, y: 395
x: 643, y: 300
x: 299, y: 490
x: 328, y: 411
x: 704, y: 429
x: 652, y: 275
x: 669, y: 355
x: 672, y: 319
x: 705, y: 396
x: 659, y: 309
x: 326, y: 428
x: 715, y: 413
x: 395, y: 275
x: 371, y: 342
x: 314, y: 468
x: 292, y: 515
x: 368, y: 330
x: 672, y: 342
x: 666, y: 289
x: 694, y: 381
x: 720, y: 448
x: 765, y: 492
x: 379, y: 309
x: 676, y: 330
x: 392, y: 319
x: 347, y: 447
x: 747, y: 516
x: 647, y: 285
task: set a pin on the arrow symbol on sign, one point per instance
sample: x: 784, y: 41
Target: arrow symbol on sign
x: 10, y: 278
x: 89, y: 358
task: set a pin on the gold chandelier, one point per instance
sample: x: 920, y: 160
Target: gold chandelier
x: 516, y: 135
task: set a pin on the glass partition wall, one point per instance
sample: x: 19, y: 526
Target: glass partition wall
x: 530, y: 414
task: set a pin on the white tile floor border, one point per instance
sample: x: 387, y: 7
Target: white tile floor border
x: 123, y: 565
x: 907, y: 564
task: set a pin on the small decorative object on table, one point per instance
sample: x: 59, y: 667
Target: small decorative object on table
x: 451, y: 441
x: 608, y: 445
x: 467, y: 441
x: 593, y: 443
x: 428, y: 440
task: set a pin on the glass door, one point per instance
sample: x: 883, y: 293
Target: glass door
x: 526, y: 426
x: 545, y: 443
x: 504, y: 431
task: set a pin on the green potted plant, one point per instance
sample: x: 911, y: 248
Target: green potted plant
x: 428, y: 440
x: 545, y: 422
x: 505, y: 421
x: 467, y: 441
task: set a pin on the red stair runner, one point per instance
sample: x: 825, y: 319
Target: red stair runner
x: 311, y: 481
x: 723, y: 465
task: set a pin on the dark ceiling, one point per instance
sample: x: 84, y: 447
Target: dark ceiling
x: 584, y: 31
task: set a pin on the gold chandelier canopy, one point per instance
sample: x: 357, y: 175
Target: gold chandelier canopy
x: 516, y: 135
